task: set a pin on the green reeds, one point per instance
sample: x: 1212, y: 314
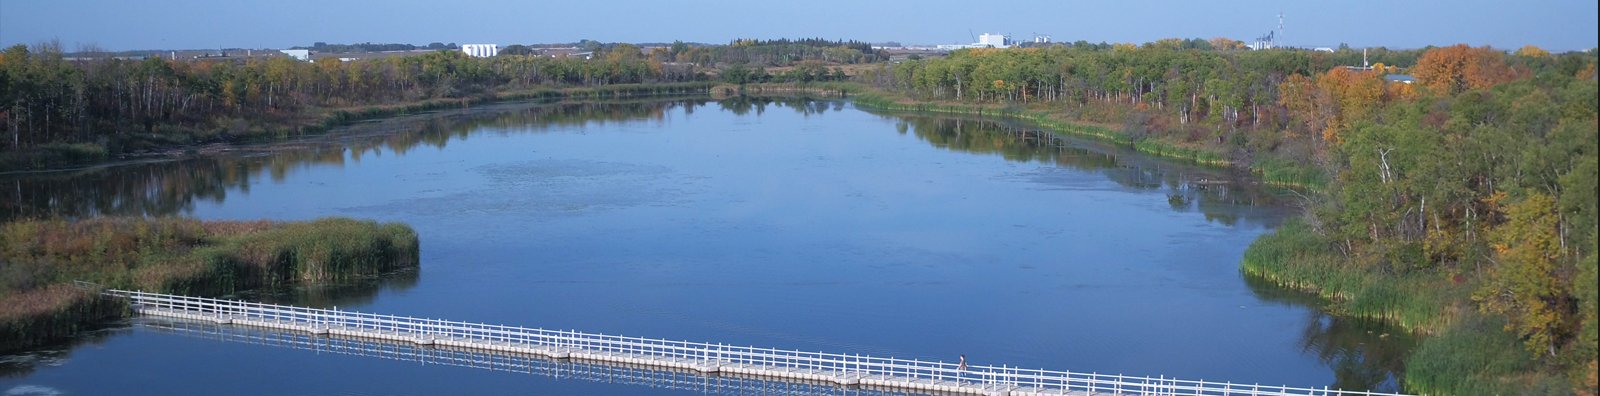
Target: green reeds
x: 1464, y: 353
x: 39, y: 260
x: 1295, y: 257
x: 1285, y: 173
x: 1477, y: 357
x: 45, y: 314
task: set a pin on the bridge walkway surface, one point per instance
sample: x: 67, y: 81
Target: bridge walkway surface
x: 844, y: 370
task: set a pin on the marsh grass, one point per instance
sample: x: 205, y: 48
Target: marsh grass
x: 1461, y: 353
x: 1477, y: 357
x: 1285, y: 173
x: 1295, y: 257
x: 39, y: 260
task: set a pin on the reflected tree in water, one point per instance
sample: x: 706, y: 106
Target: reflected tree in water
x: 1217, y: 194
x: 159, y: 188
x: 1364, y: 354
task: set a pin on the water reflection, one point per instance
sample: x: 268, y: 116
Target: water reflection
x: 1363, y: 354
x: 172, y: 187
x: 352, y: 293
x: 742, y: 105
x: 157, y: 188
x: 1217, y: 194
x: 511, y: 363
x: 331, y: 295
x: 24, y: 363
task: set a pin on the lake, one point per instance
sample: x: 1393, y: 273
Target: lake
x: 783, y: 223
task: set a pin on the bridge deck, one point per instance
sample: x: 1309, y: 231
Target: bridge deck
x: 704, y: 358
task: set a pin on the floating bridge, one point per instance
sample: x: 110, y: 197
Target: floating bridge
x: 845, y: 371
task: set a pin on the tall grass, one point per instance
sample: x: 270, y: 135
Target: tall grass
x: 1477, y: 357
x: 1295, y: 257
x: 1286, y: 173
x: 1463, y: 353
x: 44, y: 314
x: 40, y: 258
x: 832, y: 89
x: 52, y: 155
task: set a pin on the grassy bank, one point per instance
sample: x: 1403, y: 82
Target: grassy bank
x: 1463, y: 352
x: 816, y: 89
x: 166, y: 139
x: 1295, y: 257
x: 39, y: 260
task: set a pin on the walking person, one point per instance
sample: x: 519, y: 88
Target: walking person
x: 961, y: 369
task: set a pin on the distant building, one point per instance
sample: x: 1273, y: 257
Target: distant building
x: 566, y: 52
x: 297, y: 54
x: 481, y: 50
x: 1400, y: 78
x: 986, y: 40
x: 1322, y: 49
x: 993, y: 40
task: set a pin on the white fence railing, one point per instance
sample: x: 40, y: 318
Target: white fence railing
x: 498, y: 361
x: 841, y: 368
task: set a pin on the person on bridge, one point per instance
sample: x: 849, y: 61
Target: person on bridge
x: 961, y: 368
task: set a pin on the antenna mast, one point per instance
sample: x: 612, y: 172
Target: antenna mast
x: 1280, y: 28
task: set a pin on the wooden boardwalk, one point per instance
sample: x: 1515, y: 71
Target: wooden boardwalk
x: 845, y: 370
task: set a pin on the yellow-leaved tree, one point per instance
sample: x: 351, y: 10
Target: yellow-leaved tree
x: 1525, y: 284
x: 1532, y: 51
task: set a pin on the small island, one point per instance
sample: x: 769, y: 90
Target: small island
x: 41, y: 262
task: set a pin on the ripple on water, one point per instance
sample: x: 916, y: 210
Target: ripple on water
x: 550, y: 188
x: 30, y: 390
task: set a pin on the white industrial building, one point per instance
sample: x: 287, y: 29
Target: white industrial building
x: 993, y: 40
x: 481, y: 50
x: 986, y: 40
x: 297, y: 54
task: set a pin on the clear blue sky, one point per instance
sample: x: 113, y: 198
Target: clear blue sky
x: 192, y: 24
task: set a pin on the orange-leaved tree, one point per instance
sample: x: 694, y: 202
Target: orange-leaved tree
x: 1355, y: 95
x: 1457, y: 68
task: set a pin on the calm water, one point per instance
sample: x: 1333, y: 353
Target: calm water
x: 790, y: 224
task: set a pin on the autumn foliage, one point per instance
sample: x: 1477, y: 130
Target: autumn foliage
x: 1331, y: 101
x: 1525, y: 284
x: 1457, y: 68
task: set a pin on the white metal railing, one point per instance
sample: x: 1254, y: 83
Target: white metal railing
x: 496, y: 361
x: 887, y: 370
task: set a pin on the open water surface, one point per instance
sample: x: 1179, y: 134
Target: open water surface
x: 789, y: 224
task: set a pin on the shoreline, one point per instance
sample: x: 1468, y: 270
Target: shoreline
x: 1273, y: 173
x: 55, y: 157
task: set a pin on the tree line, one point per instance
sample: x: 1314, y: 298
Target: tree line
x: 1480, y: 176
x: 104, y: 105
x: 46, y: 98
x: 772, y: 53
